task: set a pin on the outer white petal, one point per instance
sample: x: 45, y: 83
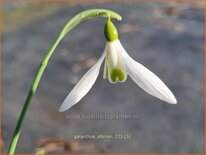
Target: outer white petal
x: 147, y: 80
x: 83, y: 86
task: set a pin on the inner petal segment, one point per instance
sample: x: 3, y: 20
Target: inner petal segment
x: 117, y: 74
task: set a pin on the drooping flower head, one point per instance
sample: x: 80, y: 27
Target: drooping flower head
x: 114, y: 68
x: 118, y: 64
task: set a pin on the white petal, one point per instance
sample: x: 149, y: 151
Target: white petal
x: 83, y: 86
x: 115, y: 63
x: 147, y: 80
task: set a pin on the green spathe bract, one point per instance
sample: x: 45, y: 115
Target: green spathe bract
x: 110, y: 31
x: 85, y: 15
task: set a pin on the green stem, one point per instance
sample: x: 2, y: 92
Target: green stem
x: 85, y: 15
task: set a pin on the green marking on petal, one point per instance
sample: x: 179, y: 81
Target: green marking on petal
x: 106, y: 71
x: 117, y: 74
x: 105, y: 74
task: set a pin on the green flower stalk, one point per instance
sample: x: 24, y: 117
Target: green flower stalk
x: 85, y: 15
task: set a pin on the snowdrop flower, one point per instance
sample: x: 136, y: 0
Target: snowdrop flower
x: 118, y: 64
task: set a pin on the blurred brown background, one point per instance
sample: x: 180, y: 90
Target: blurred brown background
x: 167, y: 38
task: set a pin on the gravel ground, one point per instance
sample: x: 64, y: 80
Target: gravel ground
x: 166, y: 38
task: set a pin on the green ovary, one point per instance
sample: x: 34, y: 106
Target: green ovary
x: 117, y: 74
